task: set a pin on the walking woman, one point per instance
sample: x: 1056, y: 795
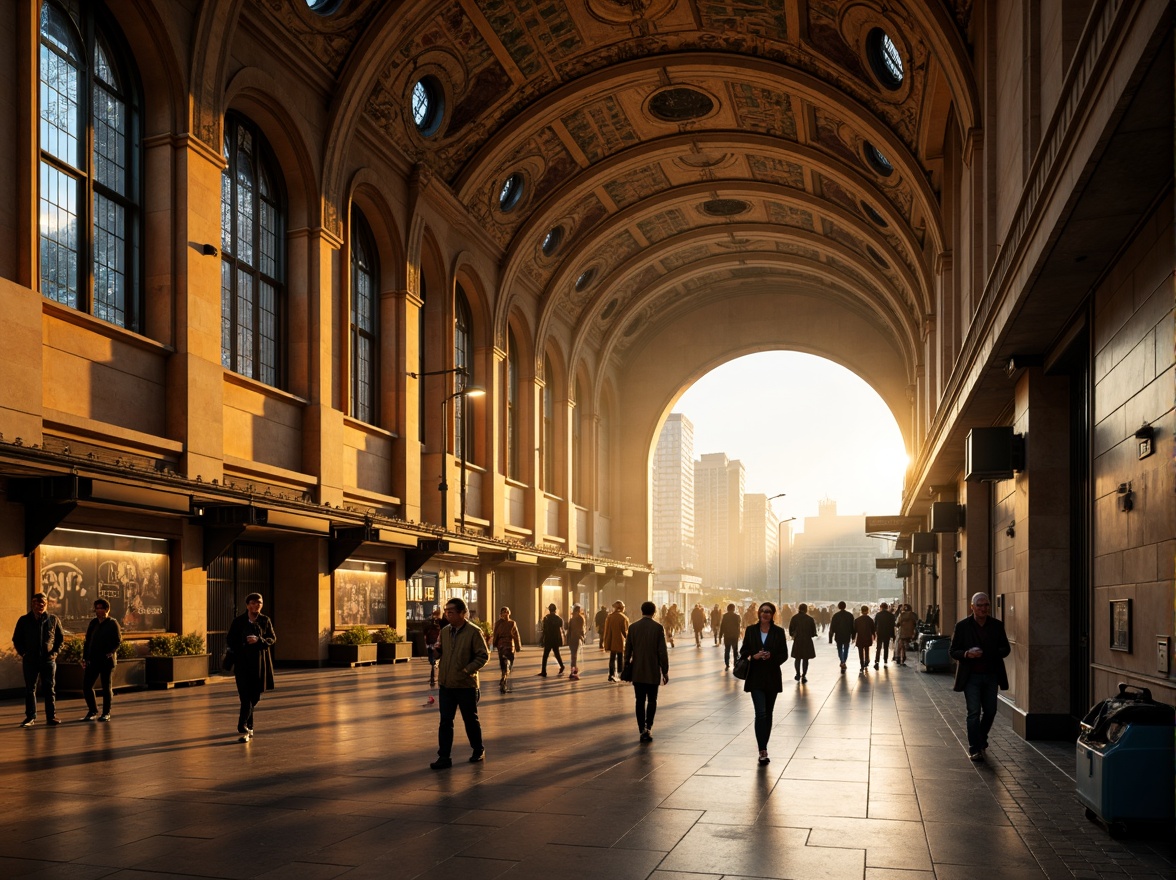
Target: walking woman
x: 907, y: 625
x: 863, y: 631
x: 506, y: 641
x: 577, y: 629
x: 766, y: 645
x: 250, y: 637
x: 803, y: 630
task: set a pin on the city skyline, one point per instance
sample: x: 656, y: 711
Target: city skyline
x: 790, y: 439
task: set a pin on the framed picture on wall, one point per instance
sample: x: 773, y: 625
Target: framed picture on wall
x: 1121, y: 625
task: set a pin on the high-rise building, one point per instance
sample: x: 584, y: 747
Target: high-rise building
x: 833, y: 559
x: 761, y: 544
x: 674, y: 554
x: 718, y: 517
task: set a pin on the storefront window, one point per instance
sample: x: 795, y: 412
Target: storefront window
x: 131, y: 573
x: 361, y: 594
x: 421, y: 595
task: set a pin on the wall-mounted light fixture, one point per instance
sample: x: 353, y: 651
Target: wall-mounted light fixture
x: 1126, y: 497
x: 1143, y: 436
x: 1011, y: 531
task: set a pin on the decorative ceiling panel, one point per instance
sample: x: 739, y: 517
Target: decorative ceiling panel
x: 763, y: 110
x: 767, y: 20
x: 772, y: 169
x: 665, y: 225
x: 601, y: 129
x: 684, y: 256
x: 534, y: 32
x: 638, y: 184
x: 787, y: 215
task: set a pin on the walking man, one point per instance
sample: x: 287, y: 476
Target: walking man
x: 841, y: 631
x: 37, y: 639
x: 646, y: 650
x: 463, y: 652
x: 716, y: 620
x: 601, y: 617
x: 884, y: 624
x: 907, y: 625
x: 698, y: 622
x: 616, y: 628
x: 732, y: 630
x: 553, y: 629
x: 979, y: 646
x: 99, y: 656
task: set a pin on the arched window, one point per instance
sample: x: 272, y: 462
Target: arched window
x: 512, y: 410
x: 365, y: 316
x: 89, y: 231
x: 462, y: 362
x: 547, y: 450
x: 253, y: 251
x: 578, y: 446
x: 421, y: 364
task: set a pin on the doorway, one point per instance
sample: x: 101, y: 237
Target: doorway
x: 242, y: 569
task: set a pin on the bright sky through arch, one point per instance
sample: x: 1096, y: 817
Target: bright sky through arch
x: 802, y: 425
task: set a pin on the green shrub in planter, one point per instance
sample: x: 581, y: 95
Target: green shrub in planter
x: 175, y: 645
x: 126, y: 651
x: 353, y: 635
x: 71, y: 650
x: 387, y: 636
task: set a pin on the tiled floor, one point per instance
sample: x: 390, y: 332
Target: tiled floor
x: 868, y: 780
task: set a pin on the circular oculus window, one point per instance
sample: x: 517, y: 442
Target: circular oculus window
x: 680, y: 105
x: 872, y: 212
x: 552, y: 240
x: 511, y: 192
x: 877, y: 160
x: 885, y: 59
x: 427, y: 105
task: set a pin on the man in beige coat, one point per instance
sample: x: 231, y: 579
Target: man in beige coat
x: 616, y: 628
x: 463, y: 652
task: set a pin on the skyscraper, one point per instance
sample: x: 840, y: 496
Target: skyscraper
x: 674, y: 554
x: 718, y: 512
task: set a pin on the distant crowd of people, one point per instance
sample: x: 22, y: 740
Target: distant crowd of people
x: 754, y: 643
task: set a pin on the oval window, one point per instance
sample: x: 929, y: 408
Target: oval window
x: 872, y: 212
x: 427, y: 105
x: 511, y: 192
x: 878, y: 161
x: 885, y: 59
x: 552, y: 240
x: 586, y: 278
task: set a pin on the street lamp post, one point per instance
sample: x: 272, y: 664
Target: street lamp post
x: 462, y: 391
x: 779, y: 555
x: 471, y: 391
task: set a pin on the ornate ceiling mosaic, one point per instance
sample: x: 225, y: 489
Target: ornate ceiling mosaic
x: 662, y: 136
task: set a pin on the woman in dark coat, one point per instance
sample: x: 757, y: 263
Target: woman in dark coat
x: 766, y: 645
x: 803, y: 630
x: 250, y: 638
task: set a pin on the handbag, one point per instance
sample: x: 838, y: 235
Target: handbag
x: 742, y: 664
x: 627, y: 671
x: 227, y: 660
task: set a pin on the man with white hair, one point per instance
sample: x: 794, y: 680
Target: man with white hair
x: 979, y: 646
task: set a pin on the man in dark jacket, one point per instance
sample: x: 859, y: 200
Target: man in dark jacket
x: 732, y: 629
x: 841, y: 631
x: 37, y: 639
x: 553, y: 628
x: 99, y: 656
x: 979, y: 646
x: 698, y: 622
x: 884, y: 627
x: 646, y: 650
x: 601, y: 617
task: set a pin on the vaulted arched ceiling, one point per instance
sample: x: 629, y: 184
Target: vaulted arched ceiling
x: 680, y: 147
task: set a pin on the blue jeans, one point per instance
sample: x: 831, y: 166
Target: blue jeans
x: 646, y: 695
x: 764, y: 702
x: 843, y: 652
x: 980, y: 696
x: 449, y: 700
x: 46, y: 672
x: 730, y: 652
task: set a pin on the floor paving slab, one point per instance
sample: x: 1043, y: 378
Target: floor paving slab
x: 868, y: 780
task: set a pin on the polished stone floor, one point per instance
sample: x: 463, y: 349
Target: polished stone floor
x: 868, y: 779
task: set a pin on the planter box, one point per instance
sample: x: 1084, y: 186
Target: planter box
x: 167, y: 672
x: 351, y: 655
x: 129, y: 675
x: 394, y: 652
